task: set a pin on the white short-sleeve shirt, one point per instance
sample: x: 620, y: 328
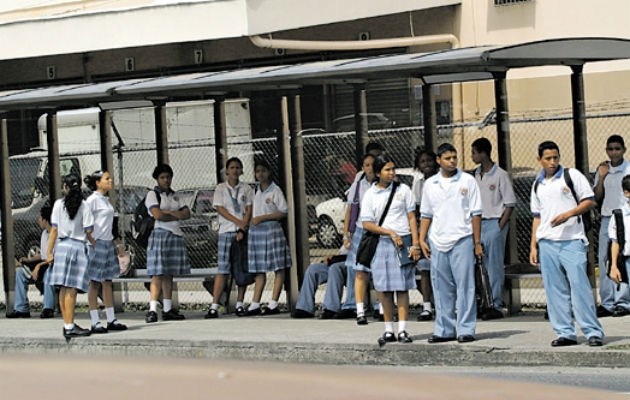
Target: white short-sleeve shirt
x: 375, y: 200
x: 613, y: 193
x: 103, y: 213
x: 450, y: 202
x: 612, y: 229
x: 417, y: 190
x: 67, y: 228
x: 169, y: 202
x: 43, y: 244
x: 554, y: 197
x: 226, y: 196
x: 270, y: 201
x: 364, y: 185
x: 496, y: 191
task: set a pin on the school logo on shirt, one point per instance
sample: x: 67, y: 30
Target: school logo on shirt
x: 268, y: 200
x: 565, y: 190
x: 464, y: 191
x: 492, y: 187
x: 399, y: 196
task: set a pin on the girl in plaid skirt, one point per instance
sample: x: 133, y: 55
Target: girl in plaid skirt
x: 72, y: 224
x: 103, y: 264
x: 267, y: 248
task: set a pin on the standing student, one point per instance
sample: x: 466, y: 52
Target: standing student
x: 233, y: 201
x: 72, y: 223
x: 166, y: 252
x: 103, y: 264
x: 608, y: 192
x: 393, y: 264
x: 451, y: 207
x: 559, y: 246
x: 426, y: 164
x: 267, y: 248
x: 615, y: 250
x: 498, y: 201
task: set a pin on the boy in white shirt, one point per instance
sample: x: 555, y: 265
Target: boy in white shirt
x: 615, y: 273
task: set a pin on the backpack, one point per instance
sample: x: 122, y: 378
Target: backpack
x: 585, y: 218
x: 621, y: 239
x: 143, y: 222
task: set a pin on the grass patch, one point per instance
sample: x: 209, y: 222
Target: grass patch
x: 619, y: 347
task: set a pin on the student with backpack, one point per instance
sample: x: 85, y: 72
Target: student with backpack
x: 166, y: 252
x: 233, y: 201
x: 619, y: 233
x: 559, y: 247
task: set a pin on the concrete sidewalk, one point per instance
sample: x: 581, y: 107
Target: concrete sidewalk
x: 522, y: 340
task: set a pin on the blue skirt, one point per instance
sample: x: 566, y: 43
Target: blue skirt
x: 351, y: 260
x: 223, y: 257
x: 166, y: 254
x: 267, y: 248
x: 387, y: 273
x: 70, y: 265
x: 103, y: 265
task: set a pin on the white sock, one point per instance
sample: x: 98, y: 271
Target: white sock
x: 389, y: 326
x: 167, y: 304
x: 253, y: 305
x: 214, y: 306
x: 94, y: 317
x: 273, y: 304
x: 68, y: 326
x: 402, y: 326
x: 153, y: 305
x: 109, y: 312
x: 239, y: 304
x: 360, y: 309
x: 426, y: 306
x: 380, y: 310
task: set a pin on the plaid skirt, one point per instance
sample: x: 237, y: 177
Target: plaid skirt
x: 387, y: 273
x: 103, y: 265
x: 267, y: 248
x: 225, y: 244
x: 351, y: 259
x: 70, y: 266
x: 166, y: 254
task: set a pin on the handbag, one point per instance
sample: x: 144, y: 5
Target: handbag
x: 355, y: 207
x: 483, y: 288
x: 369, y: 240
x: 238, y: 262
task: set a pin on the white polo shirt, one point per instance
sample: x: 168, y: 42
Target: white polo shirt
x: 169, y: 202
x: 496, y: 191
x: 225, y: 196
x: 363, y: 188
x: 554, y: 197
x: 417, y: 190
x: 103, y: 213
x: 270, y: 201
x: 613, y: 193
x: 612, y: 229
x: 450, y: 203
x: 375, y: 200
x: 67, y: 228
x: 43, y: 244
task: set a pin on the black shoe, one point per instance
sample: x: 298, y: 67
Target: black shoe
x: 47, y: 313
x: 362, y: 320
x: 491, y: 313
x: 440, y: 339
x: 172, y: 315
x: 75, y: 332
x: 603, y: 312
x: 562, y: 342
x: 270, y: 311
x: 346, y: 314
x: 299, y: 314
x: 465, y: 338
x: 403, y: 337
x: 212, y: 314
x: 116, y: 326
x: 376, y: 314
x: 98, y: 328
x: 254, y: 312
x: 240, y: 311
x: 327, y: 314
x: 620, y: 311
x: 387, y: 337
x: 425, y: 315
x: 18, y: 314
x: 595, y: 341
x: 151, y: 317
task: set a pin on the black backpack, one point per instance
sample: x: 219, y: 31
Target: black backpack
x: 621, y: 239
x: 143, y: 222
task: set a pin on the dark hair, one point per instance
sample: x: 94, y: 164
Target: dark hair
x: 73, y: 199
x: 90, y: 180
x: 160, y: 169
x: 233, y: 159
x: 547, y: 145
x: 366, y: 155
x: 445, y: 148
x: 419, y: 152
x: 46, y: 212
x: 615, y: 139
x: 374, y: 146
x: 625, y: 183
x: 262, y: 163
x: 482, y: 145
x: 380, y: 162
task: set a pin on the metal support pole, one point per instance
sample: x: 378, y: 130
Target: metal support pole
x: 161, y: 135
x: 8, y: 239
x: 360, y: 122
x: 428, y: 118
x: 107, y: 156
x: 52, y: 142
x: 220, y: 140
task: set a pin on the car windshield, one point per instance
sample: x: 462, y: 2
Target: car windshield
x: 203, y: 203
x: 23, y: 172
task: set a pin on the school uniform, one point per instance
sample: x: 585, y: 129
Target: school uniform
x: 21, y: 282
x: 562, y: 255
x: 103, y: 263
x: 235, y: 200
x: 423, y: 264
x: 612, y: 233
x: 497, y: 194
x: 351, y: 260
x: 387, y: 272
x: 71, y: 251
x: 166, y: 251
x: 451, y: 203
x: 267, y: 248
x: 613, y: 199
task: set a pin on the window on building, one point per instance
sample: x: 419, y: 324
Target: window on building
x: 510, y: 2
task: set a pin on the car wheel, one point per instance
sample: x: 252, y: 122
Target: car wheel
x: 32, y: 248
x: 138, y: 255
x: 327, y: 234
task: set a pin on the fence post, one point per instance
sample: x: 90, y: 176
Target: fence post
x: 360, y: 122
x: 428, y: 118
x: 161, y: 135
x: 8, y: 239
x: 107, y: 156
x: 52, y: 142
x: 220, y: 139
